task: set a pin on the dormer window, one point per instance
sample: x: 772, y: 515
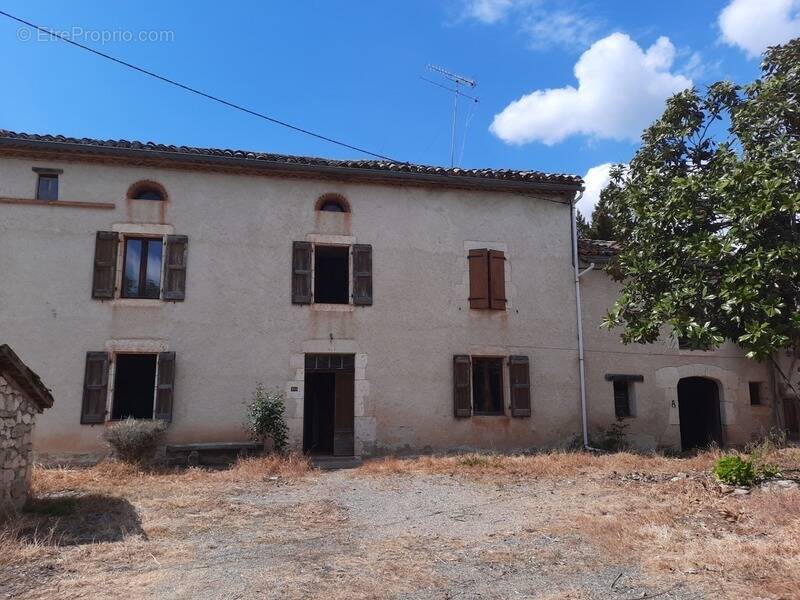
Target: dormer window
x: 333, y: 203
x: 147, y: 190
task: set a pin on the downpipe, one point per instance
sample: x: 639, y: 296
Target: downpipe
x: 579, y: 319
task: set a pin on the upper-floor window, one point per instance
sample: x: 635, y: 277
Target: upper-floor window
x: 141, y: 273
x: 47, y: 183
x: 331, y: 274
x: 333, y: 203
x: 152, y: 267
x: 487, y: 284
x: 147, y: 190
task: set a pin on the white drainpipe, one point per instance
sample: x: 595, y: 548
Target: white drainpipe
x: 579, y: 318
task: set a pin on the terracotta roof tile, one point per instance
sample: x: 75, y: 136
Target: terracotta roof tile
x: 10, y: 138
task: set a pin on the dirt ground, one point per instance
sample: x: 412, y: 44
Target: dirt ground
x: 568, y: 525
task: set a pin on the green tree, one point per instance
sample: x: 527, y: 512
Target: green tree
x: 708, y: 213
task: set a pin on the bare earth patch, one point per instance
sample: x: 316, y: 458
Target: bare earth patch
x: 558, y: 525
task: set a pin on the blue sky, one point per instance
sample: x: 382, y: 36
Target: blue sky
x: 351, y: 70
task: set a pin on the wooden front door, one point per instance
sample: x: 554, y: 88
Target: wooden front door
x: 343, y: 418
x: 329, y: 404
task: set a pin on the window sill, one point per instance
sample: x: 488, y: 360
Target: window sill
x: 323, y: 307
x: 137, y: 302
x: 485, y: 414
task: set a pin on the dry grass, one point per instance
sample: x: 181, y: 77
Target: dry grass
x: 551, y: 465
x: 121, y: 478
x: 86, y: 516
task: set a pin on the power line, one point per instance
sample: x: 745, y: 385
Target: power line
x: 196, y: 91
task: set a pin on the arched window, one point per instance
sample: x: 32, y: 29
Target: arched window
x: 147, y: 190
x: 333, y: 203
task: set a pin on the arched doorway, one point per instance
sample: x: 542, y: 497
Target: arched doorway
x: 698, y: 406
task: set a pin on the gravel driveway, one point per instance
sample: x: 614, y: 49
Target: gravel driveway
x: 344, y: 534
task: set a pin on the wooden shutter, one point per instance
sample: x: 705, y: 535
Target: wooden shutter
x: 301, y: 272
x: 165, y: 388
x: 479, y: 278
x: 520, y: 376
x: 497, y: 280
x: 105, y: 264
x: 461, y: 386
x: 95, y: 388
x: 175, y: 268
x: 362, y: 274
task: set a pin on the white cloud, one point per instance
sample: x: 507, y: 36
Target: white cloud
x: 560, y: 28
x: 488, y: 11
x: 595, y: 181
x: 621, y: 89
x: 752, y: 25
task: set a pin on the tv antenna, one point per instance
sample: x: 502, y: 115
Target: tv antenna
x: 459, y: 82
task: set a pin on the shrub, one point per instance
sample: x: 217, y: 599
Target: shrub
x: 135, y: 441
x: 265, y: 418
x: 613, y: 439
x: 735, y: 470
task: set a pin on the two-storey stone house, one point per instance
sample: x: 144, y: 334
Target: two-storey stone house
x: 399, y: 307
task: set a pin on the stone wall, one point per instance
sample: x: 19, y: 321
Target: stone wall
x: 17, y: 417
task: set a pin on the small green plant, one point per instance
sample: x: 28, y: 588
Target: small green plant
x: 265, y: 418
x: 735, y: 470
x: 613, y: 439
x: 134, y: 440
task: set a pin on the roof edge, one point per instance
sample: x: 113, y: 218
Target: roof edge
x: 90, y: 150
x: 24, y: 378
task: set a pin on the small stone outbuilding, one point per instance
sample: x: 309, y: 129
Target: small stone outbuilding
x: 22, y: 395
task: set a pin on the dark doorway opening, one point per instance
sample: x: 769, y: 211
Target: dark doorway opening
x: 331, y: 274
x: 134, y: 386
x: 698, y: 407
x: 328, y: 407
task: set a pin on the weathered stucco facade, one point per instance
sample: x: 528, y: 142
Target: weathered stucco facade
x: 656, y: 418
x: 237, y: 324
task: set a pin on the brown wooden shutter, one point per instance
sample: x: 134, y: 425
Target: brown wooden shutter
x: 105, y: 264
x: 519, y: 374
x: 497, y: 280
x: 479, y: 278
x: 301, y: 272
x: 175, y: 268
x: 165, y: 390
x: 95, y: 388
x: 362, y: 274
x: 461, y: 386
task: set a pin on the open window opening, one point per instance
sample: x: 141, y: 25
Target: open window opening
x: 332, y: 274
x: 487, y: 386
x: 134, y: 386
x: 141, y: 277
x: 622, y: 399
x: 755, y: 393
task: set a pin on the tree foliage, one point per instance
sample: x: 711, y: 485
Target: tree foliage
x: 265, y: 418
x: 601, y: 226
x: 708, y: 214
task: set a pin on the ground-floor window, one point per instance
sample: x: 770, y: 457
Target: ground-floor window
x: 134, y: 386
x: 487, y: 386
x: 622, y: 399
x: 141, y: 386
x: 479, y: 385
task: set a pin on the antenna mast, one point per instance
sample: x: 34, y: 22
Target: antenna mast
x: 459, y: 81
